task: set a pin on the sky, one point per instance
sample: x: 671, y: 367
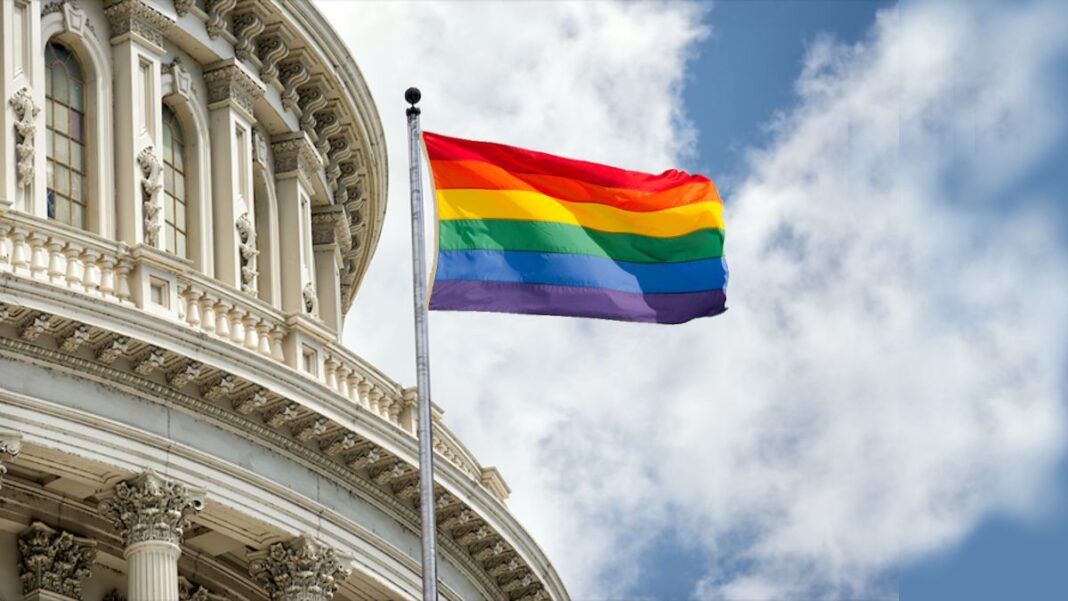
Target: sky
x: 881, y: 414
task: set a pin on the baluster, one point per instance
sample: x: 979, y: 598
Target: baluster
x: 107, y: 276
x: 277, y: 336
x: 38, y: 256
x: 353, y: 380
x: 208, y: 320
x: 251, y: 337
x: 5, y: 248
x: 330, y: 367
x: 123, y: 269
x: 373, y: 397
x: 193, y: 316
x: 363, y: 387
x: 343, y: 372
x: 20, y: 256
x: 237, y: 327
x: 91, y: 260
x: 263, y: 329
x: 56, y: 269
x: 222, y: 320
x: 183, y: 304
x: 75, y: 272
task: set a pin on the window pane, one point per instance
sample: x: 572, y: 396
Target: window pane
x: 179, y: 216
x: 50, y: 169
x: 77, y: 215
x: 77, y: 96
x: 76, y: 126
x: 61, y: 152
x: 62, y: 209
x: 51, y: 197
x: 168, y: 179
x: 48, y: 141
x: 49, y: 109
x: 179, y: 186
x: 76, y: 157
x: 62, y: 180
x: 60, y: 87
x: 179, y: 157
x: 76, y: 186
x: 180, y: 251
x: 168, y: 208
x: 61, y: 119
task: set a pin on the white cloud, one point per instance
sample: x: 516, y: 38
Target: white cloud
x: 890, y: 368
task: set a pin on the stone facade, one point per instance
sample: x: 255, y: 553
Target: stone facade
x: 180, y: 420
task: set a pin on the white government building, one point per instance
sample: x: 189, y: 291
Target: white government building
x: 190, y: 194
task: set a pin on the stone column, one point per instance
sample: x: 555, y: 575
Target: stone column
x: 295, y: 164
x: 299, y: 570
x: 232, y: 95
x: 151, y: 513
x: 53, y: 563
x: 10, y: 445
x: 330, y: 239
x: 137, y: 49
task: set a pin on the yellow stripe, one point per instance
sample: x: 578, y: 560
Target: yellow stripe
x: 524, y: 205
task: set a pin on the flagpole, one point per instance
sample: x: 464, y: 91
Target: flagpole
x: 422, y: 353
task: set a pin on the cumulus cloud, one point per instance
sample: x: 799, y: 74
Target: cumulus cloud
x: 890, y: 369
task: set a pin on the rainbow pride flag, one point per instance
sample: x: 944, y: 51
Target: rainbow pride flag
x: 526, y: 232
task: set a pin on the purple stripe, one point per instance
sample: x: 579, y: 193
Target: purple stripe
x: 543, y: 299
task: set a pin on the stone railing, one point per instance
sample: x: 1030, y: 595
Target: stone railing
x: 147, y: 279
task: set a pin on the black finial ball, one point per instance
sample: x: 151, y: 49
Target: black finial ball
x: 412, y: 95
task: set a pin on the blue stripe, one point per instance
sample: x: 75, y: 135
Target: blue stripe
x: 580, y: 270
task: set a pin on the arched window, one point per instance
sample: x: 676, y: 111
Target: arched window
x: 65, y: 136
x: 174, y: 186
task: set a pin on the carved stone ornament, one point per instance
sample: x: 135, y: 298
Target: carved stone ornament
x: 138, y: 18
x: 271, y: 49
x: 151, y: 206
x: 151, y: 508
x: 74, y: 19
x: 10, y: 445
x: 114, y: 595
x: 296, y: 154
x: 25, y: 127
x: 54, y: 560
x: 231, y: 82
x: 189, y: 591
x: 330, y: 226
x: 247, y: 26
x: 183, y: 81
x: 218, y: 15
x: 301, y: 569
x: 292, y: 75
x: 246, y: 240
x: 181, y: 7
x: 311, y: 100
x: 311, y: 302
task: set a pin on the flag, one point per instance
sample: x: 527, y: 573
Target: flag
x: 521, y: 231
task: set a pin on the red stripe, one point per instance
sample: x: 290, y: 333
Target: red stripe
x: 520, y: 160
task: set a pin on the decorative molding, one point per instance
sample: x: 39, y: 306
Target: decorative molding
x: 218, y: 15
x: 35, y: 326
x: 152, y: 362
x: 299, y: 570
x: 311, y: 300
x: 231, y: 82
x: 113, y: 350
x: 330, y: 226
x: 252, y: 402
x: 296, y: 154
x: 151, y: 508
x: 53, y: 560
x: 75, y: 339
x: 246, y: 241
x: 188, y: 591
x: 152, y: 207
x: 183, y: 81
x: 10, y: 445
x: 181, y: 7
x: 247, y: 26
x: 292, y: 75
x: 25, y: 127
x: 138, y: 18
x: 311, y: 99
x: 74, y: 18
x: 259, y: 147
x: 272, y: 49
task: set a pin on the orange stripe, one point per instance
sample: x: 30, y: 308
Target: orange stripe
x: 485, y: 176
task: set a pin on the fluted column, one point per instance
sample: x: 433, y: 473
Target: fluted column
x: 151, y: 513
x: 299, y: 570
x: 10, y: 446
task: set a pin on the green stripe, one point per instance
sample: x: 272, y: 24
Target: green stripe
x: 548, y: 237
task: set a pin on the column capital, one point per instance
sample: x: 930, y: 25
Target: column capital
x: 330, y: 226
x: 230, y: 83
x: 54, y: 561
x: 295, y: 153
x: 136, y: 18
x: 151, y: 508
x: 301, y: 569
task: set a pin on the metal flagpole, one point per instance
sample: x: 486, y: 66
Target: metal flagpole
x: 422, y: 354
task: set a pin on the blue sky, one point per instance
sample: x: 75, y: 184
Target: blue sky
x: 883, y: 406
